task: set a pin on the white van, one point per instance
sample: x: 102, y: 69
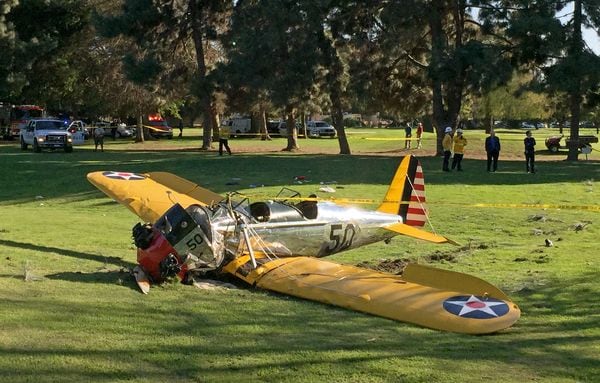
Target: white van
x: 238, y: 126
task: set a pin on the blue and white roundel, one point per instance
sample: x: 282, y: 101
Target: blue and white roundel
x: 475, y: 307
x: 124, y: 176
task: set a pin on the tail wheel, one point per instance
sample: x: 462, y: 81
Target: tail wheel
x: 23, y: 145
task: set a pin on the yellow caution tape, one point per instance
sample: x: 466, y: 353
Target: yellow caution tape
x: 152, y: 128
x: 473, y: 205
x: 389, y: 139
x: 537, y: 206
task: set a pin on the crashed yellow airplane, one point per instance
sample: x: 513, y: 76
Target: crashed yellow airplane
x: 277, y: 244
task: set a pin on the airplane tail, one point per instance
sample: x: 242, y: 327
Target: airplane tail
x: 406, y: 194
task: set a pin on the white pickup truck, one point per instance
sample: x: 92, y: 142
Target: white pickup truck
x: 46, y: 133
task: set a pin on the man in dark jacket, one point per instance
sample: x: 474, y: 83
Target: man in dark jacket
x: 529, y: 152
x: 492, y: 148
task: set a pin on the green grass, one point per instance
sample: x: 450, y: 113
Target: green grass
x: 79, y: 317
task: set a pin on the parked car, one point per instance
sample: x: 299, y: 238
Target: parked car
x: 319, y: 129
x: 282, y: 128
x: 527, y: 125
x: 500, y: 124
x: 121, y: 130
x: 273, y: 128
x: 553, y: 143
x: 46, y: 134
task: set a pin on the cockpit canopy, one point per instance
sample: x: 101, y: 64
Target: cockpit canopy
x: 274, y: 211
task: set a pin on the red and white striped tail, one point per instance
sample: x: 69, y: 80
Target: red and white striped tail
x: 416, y: 214
x: 406, y: 194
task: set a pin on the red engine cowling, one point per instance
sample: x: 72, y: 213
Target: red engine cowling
x: 152, y: 259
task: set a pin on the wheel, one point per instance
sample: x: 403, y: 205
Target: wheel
x: 23, y: 145
x: 68, y: 149
x: 36, y: 146
x: 553, y: 149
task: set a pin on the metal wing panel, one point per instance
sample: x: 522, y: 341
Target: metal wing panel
x: 474, y: 311
x: 141, y: 194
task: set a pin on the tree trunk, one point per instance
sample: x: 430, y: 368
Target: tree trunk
x: 139, y: 131
x: 336, y: 86
x: 437, y: 51
x: 575, y: 93
x: 303, y: 124
x: 216, y: 123
x: 336, y: 71
x: 209, y: 118
x: 262, y: 121
x: 292, y: 132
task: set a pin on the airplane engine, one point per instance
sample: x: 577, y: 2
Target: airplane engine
x: 158, y: 259
x: 180, y: 241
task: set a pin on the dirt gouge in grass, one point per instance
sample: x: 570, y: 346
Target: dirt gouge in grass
x: 191, y: 232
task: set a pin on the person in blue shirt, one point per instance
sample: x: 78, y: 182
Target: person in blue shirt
x: 408, y: 136
x: 492, y: 148
x: 529, y: 142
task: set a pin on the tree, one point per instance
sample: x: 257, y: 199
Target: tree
x: 37, y: 40
x: 11, y: 47
x: 437, y: 45
x: 515, y: 101
x: 548, y: 39
x: 333, y: 25
x: 163, y: 32
x: 271, y: 47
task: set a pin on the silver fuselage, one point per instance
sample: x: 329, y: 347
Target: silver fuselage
x: 334, y: 229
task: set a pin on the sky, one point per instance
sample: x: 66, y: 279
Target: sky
x: 592, y: 40
x: 589, y: 35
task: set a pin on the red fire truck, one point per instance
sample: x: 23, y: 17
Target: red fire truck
x: 20, y: 114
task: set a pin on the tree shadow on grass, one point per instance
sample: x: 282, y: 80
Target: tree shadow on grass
x: 213, y: 172
x: 236, y: 335
x: 116, y: 261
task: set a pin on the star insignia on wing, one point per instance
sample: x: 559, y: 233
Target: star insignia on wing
x: 124, y: 176
x: 476, y: 307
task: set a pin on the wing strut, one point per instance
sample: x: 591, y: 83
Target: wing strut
x: 244, y: 229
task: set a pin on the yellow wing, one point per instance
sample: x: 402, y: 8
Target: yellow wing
x: 150, y: 195
x: 433, y: 298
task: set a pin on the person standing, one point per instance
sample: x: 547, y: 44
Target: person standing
x: 99, y: 139
x: 407, y: 136
x: 180, y: 128
x: 459, y: 149
x: 492, y: 148
x: 447, y: 147
x: 529, y: 152
x: 224, y: 139
x: 419, y: 134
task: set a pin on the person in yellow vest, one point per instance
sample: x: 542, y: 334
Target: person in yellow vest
x: 459, y: 149
x: 224, y: 139
x: 447, y: 147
